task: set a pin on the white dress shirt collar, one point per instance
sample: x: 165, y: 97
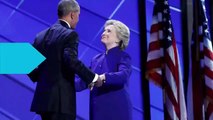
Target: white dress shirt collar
x: 65, y: 22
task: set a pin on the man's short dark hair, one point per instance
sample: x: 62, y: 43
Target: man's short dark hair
x: 67, y: 6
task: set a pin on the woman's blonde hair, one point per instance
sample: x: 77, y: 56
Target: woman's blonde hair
x: 122, y: 32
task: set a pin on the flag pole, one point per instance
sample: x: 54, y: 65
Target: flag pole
x: 143, y: 53
x: 196, y: 27
x: 197, y: 79
x: 187, y: 20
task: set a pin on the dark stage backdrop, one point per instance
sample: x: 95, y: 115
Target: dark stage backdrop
x: 20, y: 20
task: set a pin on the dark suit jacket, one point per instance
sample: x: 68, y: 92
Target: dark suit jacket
x: 55, y: 90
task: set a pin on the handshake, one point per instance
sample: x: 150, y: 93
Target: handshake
x: 99, y: 82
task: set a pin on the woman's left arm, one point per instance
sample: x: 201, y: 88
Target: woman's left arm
x: 120, y: 77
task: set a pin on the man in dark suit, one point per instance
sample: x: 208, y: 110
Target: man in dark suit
x: 55, y: 97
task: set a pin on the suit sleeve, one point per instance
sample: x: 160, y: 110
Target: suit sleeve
x: 70, y: 56
x: 120, y: 77
x: 79, y: 84
x: 34, y: 75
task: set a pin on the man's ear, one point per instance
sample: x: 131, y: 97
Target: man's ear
x: 71, y: 15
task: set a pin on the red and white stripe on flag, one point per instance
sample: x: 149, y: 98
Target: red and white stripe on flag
x: 163, y: 67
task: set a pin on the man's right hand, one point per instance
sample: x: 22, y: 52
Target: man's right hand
x: 98, y: 83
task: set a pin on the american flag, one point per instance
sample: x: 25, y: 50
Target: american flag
x: 200, y: 86
x: 163, y: 67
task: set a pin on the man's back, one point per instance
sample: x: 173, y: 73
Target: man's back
x: 52, y: 85
x: 51, y: 43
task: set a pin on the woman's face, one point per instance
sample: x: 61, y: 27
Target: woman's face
x: 109, y: 37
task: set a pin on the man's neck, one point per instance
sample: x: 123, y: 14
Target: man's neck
x: 65, y: 22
